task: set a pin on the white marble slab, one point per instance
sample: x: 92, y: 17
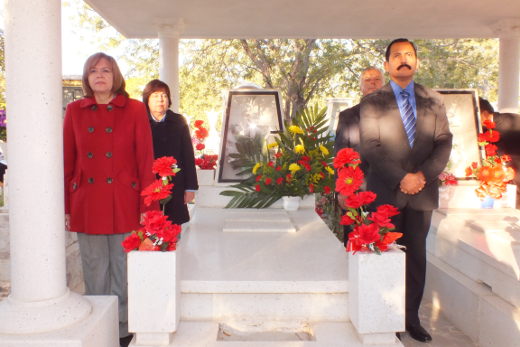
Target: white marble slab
x: 482, y: 244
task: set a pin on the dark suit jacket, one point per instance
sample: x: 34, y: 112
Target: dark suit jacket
x: 508, y: 124
x: 172, y: 138
x: 385, y: 146
x: 347, y: 132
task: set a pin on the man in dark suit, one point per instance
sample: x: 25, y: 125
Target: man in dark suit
x: 508, y: 124
x: 347, y: 132
x: 405, y: 139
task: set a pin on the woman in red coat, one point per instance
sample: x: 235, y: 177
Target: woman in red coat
x: 108, y: 159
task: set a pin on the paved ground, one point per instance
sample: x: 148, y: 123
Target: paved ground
x: 443, y: 332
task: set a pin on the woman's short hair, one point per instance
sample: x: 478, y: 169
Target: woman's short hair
x: 118, y: 86
x: 155, y: 86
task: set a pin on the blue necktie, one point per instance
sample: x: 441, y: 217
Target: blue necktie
x: 409, y: 118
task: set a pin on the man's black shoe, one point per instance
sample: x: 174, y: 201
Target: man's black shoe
x: 417, y: 332
x: 398, y: 335
x: 125, y: 341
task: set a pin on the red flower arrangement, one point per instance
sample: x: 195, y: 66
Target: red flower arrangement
x: 373, y: 231
x: 447, y: 179
x: 157, y: 232
x: 204, y: 161
x: 494, y: 174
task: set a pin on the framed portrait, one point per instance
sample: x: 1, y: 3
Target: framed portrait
x: 334, y: 107
x: 463, y: 116
x: 252, y: 116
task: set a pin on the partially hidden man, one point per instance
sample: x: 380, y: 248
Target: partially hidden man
x: 406, y: 140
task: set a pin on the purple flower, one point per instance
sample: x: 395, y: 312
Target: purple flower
x: 3, y: 118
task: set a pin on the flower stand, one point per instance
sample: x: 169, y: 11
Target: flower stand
x: 153, y: 297
x: 291, y: 203
x: 377, y: 295
x: 205, y: 177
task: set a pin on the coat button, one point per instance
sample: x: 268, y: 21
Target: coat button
x: 108, y: 130
x: 90, y: 180
x: 90, y: 155
x: 93, y: 107
x: 110, y: 107
x: 108, y: 154
x: 134, y: 184
x: 74, y: 186
x: 90, y: 129
x: 110, y: 180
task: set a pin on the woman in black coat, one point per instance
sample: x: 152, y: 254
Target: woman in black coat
x: 171, y: 137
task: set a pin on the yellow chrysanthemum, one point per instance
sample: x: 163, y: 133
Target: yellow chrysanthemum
x: 272, y: 145
x: 329, y: 170
x: 295, y: 129
x: 316, y: 178
x: 256, y: 167
x: 299, y: 149
x: 294, y: 167
x: 324, y: 150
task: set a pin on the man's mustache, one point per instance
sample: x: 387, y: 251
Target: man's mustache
x: 404, y: 65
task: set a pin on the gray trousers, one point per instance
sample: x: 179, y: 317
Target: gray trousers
x: 104, y: 270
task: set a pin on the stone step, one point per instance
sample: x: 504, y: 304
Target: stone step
x: 285, y: 306
x: 271, y: 334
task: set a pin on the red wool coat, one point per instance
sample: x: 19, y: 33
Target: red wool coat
x: 108, y: 158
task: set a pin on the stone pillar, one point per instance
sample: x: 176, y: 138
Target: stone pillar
x: 508, y: 31
x: 39, y: 300
x: 169, y: 36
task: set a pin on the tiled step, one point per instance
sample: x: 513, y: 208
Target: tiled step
x: 323, y: 334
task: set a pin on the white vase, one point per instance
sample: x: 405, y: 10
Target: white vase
x: 153, y: 296
x: 291, y: 203
x: 205, y: 177
x: 377, y: 294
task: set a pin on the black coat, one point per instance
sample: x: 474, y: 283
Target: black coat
x: 171, y: 137
x: 347, y: 133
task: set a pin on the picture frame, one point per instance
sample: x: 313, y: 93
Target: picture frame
x: 464, y: 118
x: 251, y: 114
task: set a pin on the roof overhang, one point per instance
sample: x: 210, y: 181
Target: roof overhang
x: 311, y: 19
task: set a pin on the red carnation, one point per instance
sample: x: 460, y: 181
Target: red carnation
x: 346, y: 156
x: 491, y: 149
x: 388, y: 210
x: 489, y: 124
x: 198, y: 123
x: 258, y: 178
x: 200, y: 146
x: 268, y: 181
x: 201, y: 133
x: 163, y: 166
x: 359, y: 199
x: 492, y: 136
x: 156, y: 191
x: 326, y: 190
x: 279, y: 180
x: 346, y: 220
x: 311, y: 188
x: 131, y: 242
x: 349, y: 180
x: 257, y: 187
x: 381, y: 220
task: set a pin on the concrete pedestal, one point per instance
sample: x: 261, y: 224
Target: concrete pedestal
x: 377, y: 295
x: 98, y: 329
x: 153, y: 297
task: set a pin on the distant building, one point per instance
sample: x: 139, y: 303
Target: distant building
x: 72, y: 89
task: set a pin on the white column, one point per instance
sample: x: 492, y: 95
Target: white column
x: 39, y: 300
x: 169, y: 36
x: 509, y: 63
